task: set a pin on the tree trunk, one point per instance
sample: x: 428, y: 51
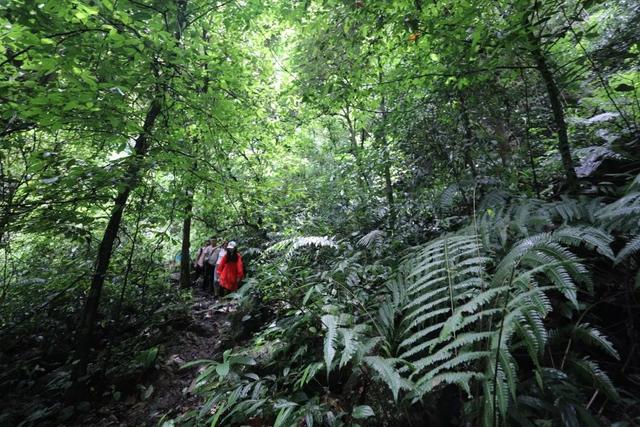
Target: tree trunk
x: 389, y: 188
x: 185, y: 260
x: 363, y: 179
x: 468, y: 136
x: 84, y: 333
x: 558, y: 113
x: 382, y: 141
x: 132, y: 253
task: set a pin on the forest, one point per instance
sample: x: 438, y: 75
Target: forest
x: 436, y: 203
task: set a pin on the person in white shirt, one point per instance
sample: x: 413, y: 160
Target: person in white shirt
x: 216, y: 279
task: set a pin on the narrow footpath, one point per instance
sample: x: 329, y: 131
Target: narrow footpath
x: 171, y: 389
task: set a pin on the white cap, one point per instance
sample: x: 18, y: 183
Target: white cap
x: 231, y: 245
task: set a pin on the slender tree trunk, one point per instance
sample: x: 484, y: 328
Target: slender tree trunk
x: 381, y: 136
x: 468, y: 136
x: 386, y: 165
x: 185, y: 260
x: 363, y: 179
x: 561, y: 125
x: 84, y: 333
x: 558, y: 110
x: 389, y: 187
x: 129, y: 266
x: 6, y: 277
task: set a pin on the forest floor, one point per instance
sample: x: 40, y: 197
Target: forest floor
x: 172, y: 389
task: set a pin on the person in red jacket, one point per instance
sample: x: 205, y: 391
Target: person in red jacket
x: 230, y: 270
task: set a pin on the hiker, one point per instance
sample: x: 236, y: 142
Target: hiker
x: 230, y: 270
x: 198, y: 265
x: 208, y: 266
x: 216, y: 279
x: 214, y: 257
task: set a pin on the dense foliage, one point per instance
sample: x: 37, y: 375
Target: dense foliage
x: 438, y: 204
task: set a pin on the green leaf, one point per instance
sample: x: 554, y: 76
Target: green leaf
x: 223, y: 369
x: 283, y: 417
x: 148, y: 392
x: 623, y: 87
x: 362, y: 411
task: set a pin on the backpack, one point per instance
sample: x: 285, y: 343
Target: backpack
x: 212, y: 258
x: 207, y: 253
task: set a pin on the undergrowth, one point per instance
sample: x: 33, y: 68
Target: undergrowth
x: 496, y: 321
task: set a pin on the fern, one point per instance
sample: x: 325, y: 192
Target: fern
x: 630, y: 248
x: 591, y: 372
x: 593, y: 238
x: 460, y: 324
x: 592, y: 336
x: 330, y: 322
x: 622, y: 214
x: 290, y: 246
x: 448, y: 196
x: 350, y: 343
x: 385, y: 368
x: 493, y: 199
x: 372, y: 238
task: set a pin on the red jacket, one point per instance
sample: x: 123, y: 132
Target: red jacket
x: 230, y: 273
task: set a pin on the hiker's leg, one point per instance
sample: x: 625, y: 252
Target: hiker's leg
x: 207, y: 276
x: 211, y: 284
x: 216, y: 283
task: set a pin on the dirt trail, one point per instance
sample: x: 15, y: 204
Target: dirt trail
x: 172, y: 392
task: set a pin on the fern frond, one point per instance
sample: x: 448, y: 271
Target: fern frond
x: 447, y: 198
x: 630, y: 248
x: 388, y: 374
x: 568, y: 210
x: 621, y: 212
x: 532, y: 324
x: 350, y: 342
x: 290, y: 246
x: 495, y: 388
x: 461, y: 379
x: 493, y: 199
x: 506, y: 267
x: 593, y: 374
x: 374, y: 237
x: 446, y: 351
x: 558, y: 265
x: 593, y: 238
x: 592, y: 336
x: 330, y: 322
x: 453, y: 363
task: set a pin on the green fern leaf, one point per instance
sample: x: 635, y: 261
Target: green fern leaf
x: 630, y: 248
x: 592, y: 237
x: 591, y: 372
x: 350, y: 341
x: 388, y: 374
x: 590, y: 335
x: 330, y: 322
